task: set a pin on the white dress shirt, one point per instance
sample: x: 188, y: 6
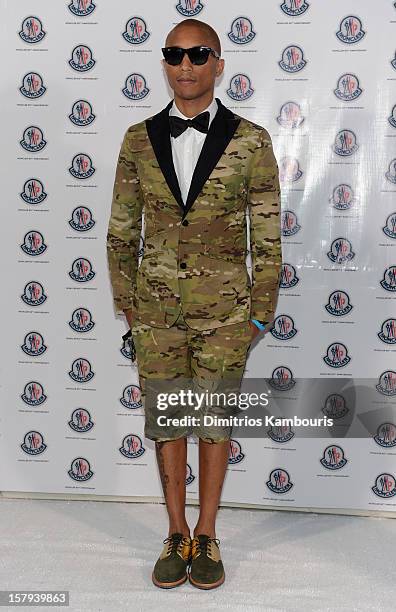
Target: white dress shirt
x: 187, y: 147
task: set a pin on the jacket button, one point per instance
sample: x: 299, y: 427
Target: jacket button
x: 185, y: 222
x: 183, y: 265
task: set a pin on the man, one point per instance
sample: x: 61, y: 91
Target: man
x: 194, y: 169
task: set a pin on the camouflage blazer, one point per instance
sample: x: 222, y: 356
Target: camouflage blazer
x: 195, y: 254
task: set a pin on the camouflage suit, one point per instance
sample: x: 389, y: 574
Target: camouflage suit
x: 193, y: 282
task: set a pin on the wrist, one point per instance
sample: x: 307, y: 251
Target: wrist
x: 259, y: 324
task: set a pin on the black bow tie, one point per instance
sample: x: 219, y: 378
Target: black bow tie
x: 179, y: 125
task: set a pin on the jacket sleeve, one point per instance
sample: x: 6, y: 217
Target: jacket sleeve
x: 124, y: 228
x: 265, y: 236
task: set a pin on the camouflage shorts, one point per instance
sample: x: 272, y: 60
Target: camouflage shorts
x: 174, y: 358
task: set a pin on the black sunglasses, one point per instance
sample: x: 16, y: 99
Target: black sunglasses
x: 197, y: 55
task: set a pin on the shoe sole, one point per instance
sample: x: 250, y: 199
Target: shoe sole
x: 209, y: 585
x: 168, y: 585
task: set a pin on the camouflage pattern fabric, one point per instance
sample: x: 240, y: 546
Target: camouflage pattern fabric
x: 197, y: 267
x: 209, y: 361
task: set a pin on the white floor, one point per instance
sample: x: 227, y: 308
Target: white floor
x: 103, y: 553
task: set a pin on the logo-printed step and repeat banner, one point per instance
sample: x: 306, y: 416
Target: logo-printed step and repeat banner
x: 321, y: 77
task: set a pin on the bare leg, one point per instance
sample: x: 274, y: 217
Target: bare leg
x: 172, y: 461
x: 213, y: 461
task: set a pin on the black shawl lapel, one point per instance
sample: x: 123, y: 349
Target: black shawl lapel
x: 159, y: 134
x: 219, y: 135
x: 221, y: 131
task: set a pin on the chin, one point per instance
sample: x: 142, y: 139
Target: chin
x: 189, y: 95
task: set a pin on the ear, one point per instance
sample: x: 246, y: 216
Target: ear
x: 219, y: 67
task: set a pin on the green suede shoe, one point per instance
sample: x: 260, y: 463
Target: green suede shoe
x: 207, y: 571
x: 170, y: 569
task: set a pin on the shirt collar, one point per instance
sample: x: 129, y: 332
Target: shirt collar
x: 212, y: 108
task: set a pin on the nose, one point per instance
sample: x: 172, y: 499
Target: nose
x: 186, y: 64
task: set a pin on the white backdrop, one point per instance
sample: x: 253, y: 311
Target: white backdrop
x: 321, y: 77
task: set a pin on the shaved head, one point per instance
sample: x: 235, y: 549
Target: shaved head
x: 208, y: 34
x: 193, y: 84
